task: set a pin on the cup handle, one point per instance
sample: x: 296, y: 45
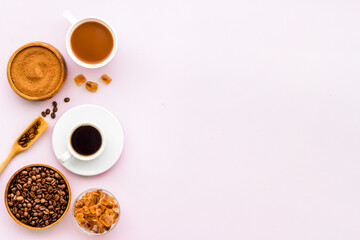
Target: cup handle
x: 65, y: 156
x: 69, y: 17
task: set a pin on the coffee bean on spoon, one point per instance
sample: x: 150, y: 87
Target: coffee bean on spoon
x: 29, y: 135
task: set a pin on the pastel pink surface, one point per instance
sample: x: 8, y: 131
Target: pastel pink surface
x: 241, y: 118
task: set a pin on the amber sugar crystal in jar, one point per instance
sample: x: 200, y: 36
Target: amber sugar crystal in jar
x: 96, y: 211
x: 92, y: 42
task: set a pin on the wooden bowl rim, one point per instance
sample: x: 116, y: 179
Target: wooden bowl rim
x: 58, y: 56
x: 7, y: 188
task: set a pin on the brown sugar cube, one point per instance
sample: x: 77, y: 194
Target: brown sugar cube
x: 91, y: 86
x: 80, y: 79
x: 106, y: 79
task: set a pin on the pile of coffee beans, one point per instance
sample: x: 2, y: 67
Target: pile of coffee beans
x: 54, y: 110
x: 38, y: 196
x: 29, y: 135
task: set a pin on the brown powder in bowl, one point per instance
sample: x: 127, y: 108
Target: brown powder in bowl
x: 36, y: 71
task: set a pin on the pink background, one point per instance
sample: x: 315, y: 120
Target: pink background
x: 241, y: 118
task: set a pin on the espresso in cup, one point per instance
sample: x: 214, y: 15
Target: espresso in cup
x: 86, y: 140
x: 92, y: 42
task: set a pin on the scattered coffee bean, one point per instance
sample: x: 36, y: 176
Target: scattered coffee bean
x: 40, y: 203
x: 54, y: 110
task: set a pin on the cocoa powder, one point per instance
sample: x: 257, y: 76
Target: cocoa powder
x: 36, y: 71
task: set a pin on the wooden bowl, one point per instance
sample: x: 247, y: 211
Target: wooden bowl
x: 21, y: 223
x: 63, y: 70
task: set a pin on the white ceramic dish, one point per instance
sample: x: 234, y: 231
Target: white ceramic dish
x: 102, y: 118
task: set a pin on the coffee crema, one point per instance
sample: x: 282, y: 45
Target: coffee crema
x: 86, y: 140
x: 92, y: 42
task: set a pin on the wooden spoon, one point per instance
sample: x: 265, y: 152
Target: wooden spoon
x: 17, y: 148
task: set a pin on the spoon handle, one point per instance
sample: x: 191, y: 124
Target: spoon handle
x: 7, y: 160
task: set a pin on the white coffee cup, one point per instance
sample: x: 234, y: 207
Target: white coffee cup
x: 74, y: 24
x: 71, y: 151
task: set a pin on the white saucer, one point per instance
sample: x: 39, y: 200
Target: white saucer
x: 102, y: 118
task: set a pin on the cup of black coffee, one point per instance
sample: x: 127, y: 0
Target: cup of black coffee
x: 86, y: 141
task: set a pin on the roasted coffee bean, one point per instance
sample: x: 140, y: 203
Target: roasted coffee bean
x: 54, y: 103
x: 37, y: 196
x: 67, y: 99
x: 55, y: 109
x: 53, y: 115
x: 47, y: 111
x: 29, y: 135
x: 20, y: 198
x: 43, y: 114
